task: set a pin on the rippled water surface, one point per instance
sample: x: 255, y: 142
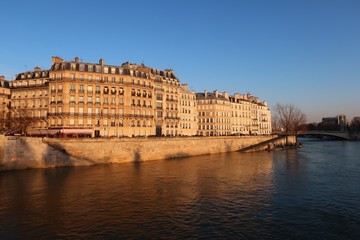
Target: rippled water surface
x: 308, y: 193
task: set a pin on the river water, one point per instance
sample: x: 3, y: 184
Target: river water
x: 307, y: 193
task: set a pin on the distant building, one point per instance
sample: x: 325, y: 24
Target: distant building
x: 334, y: 123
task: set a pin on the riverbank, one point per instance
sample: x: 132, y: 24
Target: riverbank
x: 25, y: 152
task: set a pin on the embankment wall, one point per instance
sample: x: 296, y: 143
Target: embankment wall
x: 23, y: 152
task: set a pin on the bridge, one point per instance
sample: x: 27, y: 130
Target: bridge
x: 335, y: 134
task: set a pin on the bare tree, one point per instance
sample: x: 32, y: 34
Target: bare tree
x: 4, y: 118
x: 21, y: 120
x: 289, y: 118
x: 355, y: 124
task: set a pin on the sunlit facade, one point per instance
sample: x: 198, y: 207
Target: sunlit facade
x: 214, y: 114
x: 188, y: 113
x: 4, y: 102
x: 81, y: 99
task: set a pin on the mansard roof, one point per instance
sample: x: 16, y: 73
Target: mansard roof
x: 32, y: 74
x: 202, y: 96
x: 5, y: 84
x: 126, y: 67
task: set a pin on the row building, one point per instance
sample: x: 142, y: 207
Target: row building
x: 80, y: 99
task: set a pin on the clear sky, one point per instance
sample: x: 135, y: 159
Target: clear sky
x: 301, y: 52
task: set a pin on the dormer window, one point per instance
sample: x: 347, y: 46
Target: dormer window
x: 82, y: 67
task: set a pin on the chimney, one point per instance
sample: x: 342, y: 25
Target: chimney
x: 185, y: 86
x: 56, y: 59
x: 216, y: 93
x: 206, y: 94
x: 101, y: 62
x: 226, y: 95
x: 76, y: 60
x: 2, y: 78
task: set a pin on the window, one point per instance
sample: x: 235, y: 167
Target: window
x: 72, y: 76
x: 113, y: 90
x: 90, y: 68
x: 82, y: 67
x: 72, y: 110
x: 72, y: 88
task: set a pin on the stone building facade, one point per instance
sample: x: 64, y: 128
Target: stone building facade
x: 81, y: 99
x: 221, y: 114
x: 29, y: 96
x: 188, y: 113
x: 214, y: 114
x: 4, y: 102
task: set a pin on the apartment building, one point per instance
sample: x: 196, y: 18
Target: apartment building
x: 188, y: 114
x: 76, y: 98
x: 4, y: 102
x: 29, y: 96
x: 214, y: 114
x: 240, y: 114
x: 167, y: 94
x: 82, y: 99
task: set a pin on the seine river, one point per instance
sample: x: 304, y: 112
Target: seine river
x: 307, y: 193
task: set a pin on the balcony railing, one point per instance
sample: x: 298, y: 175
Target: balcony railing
x: 106, y: 115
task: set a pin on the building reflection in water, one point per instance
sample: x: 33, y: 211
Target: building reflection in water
x: 152, y: 199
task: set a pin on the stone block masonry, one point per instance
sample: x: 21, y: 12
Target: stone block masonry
x: 22, y: 152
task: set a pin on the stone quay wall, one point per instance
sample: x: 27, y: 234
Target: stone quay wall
x: 24, y: 152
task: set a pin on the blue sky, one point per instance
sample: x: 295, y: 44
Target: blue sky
x: 305, y: 53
